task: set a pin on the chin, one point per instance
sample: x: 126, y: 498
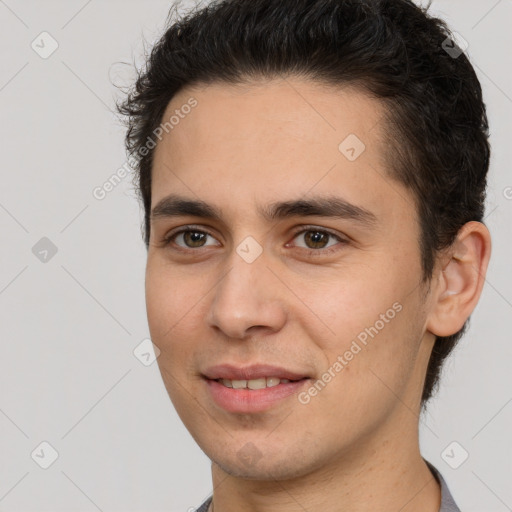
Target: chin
x: 250, y: 464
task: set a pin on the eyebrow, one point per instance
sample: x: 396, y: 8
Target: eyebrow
x: 331, y: 206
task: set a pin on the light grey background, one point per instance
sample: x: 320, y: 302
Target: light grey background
x: 69, y: 326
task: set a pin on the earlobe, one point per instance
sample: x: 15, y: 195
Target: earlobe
x: 461, y: 279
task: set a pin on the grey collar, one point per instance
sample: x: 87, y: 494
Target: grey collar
x: 447, y: 502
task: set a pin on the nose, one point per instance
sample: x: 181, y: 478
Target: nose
x: 247, y: 300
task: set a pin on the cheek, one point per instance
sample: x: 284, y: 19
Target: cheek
x: 373, y: 325
x: 170, y: 308
x: 171, y: 314
x: 170, y: 296
x: 350, y: 301
x: 373, y: 355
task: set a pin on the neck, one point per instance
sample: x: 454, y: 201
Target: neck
x: 385, y: 473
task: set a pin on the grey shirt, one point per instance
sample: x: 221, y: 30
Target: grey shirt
x: 447, y: 502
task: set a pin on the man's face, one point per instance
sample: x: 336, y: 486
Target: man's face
x: 298, y: 292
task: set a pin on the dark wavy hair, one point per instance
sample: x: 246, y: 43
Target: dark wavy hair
x: 392, y: 49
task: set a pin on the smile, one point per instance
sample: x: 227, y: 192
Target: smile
x: 254, y: 395
x: 265, y: 382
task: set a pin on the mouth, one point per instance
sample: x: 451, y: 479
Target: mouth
x: 252, y: 396
x: 255, y: 372
x: 254, y: 384
x: 252, y: 389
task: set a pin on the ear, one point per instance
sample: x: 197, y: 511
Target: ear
x: 460, y: 279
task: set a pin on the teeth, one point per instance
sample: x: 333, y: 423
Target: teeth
x: 273, y: 381
x: 257, y: 383
x: 264, y: 382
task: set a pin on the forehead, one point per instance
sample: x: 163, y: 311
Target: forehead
x: 287, y: 108
x: 275, y: 140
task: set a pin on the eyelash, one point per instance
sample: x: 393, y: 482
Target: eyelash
x: 168, y: 240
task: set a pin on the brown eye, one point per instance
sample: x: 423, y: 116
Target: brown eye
x: 194, y: 238
x: 188, y: 239
x: 316, y: 239
x: 318, y: 242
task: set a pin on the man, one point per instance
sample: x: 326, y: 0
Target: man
x: 313, y: 175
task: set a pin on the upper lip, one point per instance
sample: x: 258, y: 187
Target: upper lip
x: 255, y: 371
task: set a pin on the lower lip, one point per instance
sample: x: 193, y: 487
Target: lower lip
x: 251, y: 400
